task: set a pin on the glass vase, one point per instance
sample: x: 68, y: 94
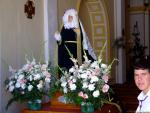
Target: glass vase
x: 87, y: 107
x: 34, y: 105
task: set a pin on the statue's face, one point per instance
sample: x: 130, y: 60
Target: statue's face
x: 70, y: 18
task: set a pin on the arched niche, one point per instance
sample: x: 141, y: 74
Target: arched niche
x: 94, y: 17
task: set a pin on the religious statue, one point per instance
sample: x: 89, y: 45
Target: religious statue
x: 73, y: 38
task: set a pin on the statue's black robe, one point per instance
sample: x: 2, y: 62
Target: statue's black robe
x: 64, y: 60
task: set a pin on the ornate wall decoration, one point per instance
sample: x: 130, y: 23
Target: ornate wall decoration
x: 100, y: 27
x: 29, y: 9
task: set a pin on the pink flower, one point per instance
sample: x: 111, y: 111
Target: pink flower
x: 97, y: 71
x: 105, y: 78
x: 80, y: 94
x: 105, y: 88
x: 47, y: 74
x: 22, y: 81
x: 44, y: 67
x: 30, y: 67
x: 70, y: 82
x: 84, y: 96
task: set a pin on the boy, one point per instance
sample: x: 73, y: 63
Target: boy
x: 142, y: 81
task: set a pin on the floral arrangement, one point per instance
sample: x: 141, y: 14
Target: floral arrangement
x: 87, y: 83
x: 29, y: 82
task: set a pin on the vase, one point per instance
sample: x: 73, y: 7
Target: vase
x: 87, y: 107
x: 34, y: 105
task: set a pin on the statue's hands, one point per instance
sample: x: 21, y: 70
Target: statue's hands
x: 77, y: 30
x: 57, y: 36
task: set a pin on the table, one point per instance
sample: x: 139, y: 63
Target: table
x: 47, y: 108
x: 57, y: 107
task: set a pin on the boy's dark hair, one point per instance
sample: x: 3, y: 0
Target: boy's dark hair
x: 143, y: 63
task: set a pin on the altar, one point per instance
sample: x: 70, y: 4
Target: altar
x: 67, y: 108
x: 58, y: 107
x: 54, y: 106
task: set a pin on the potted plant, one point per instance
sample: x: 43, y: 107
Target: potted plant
x: 28, y: 84
x: 87, y: 85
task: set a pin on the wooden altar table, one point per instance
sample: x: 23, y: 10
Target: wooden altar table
x: 47, y: 108
x: 57, y: 107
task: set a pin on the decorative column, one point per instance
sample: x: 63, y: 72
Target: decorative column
x: 119, y: 15
x: 50, y: 27
x: 46, y: 33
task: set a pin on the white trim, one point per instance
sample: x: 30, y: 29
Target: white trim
x: 118, y: 25
x: 46, y: 33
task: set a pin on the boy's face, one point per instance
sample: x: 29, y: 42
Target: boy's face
x: 142, y: 79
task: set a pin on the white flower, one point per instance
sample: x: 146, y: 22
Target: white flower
x: 94, y: 79
x: 91, y: 87
x: 11, y: 88
x: 23, y: 86
x: 84, y: 75
x: 72, y: 86
x: 71, y: 70
x: 30, y: 78
x: 30, y: 87
x: 104, y: 66
x: 65, y: 90
x: 17, y: 85
x: 95, y: 64
x: 23, y: 92
x: 96, y: 93
x: 10, y: 83
x: 37, y: 67
x: 16, y: 76
x: 37, y: 76
x: 74, y: 80
x: 63, y: 84
x: 20, y: 77
x: 85, y: 85
x: 40, y: 86
x: 48, y: 80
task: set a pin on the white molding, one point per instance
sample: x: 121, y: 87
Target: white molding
x: 118, y: 25
x: 46, y: 33
x: 52, y: 28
